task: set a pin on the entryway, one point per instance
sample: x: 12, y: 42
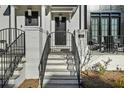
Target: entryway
x: 60, y: 31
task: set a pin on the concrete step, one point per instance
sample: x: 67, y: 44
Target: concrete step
x: 11, y: 55
x: 9, y: 85
x: 18, y: 68
x: 69, y: 68
x: 58, y: 73
x: 12, y: 79
x: 8, y: 64
x: 56, y: 56
x: 52, y: 81
x: 15, y: 72
x: 56, y: 67
x: 56, y: 61
x: 9, y: 59
x: 56, y: 70
x: 61, y: 77
x: 62, y: 58
x: 60, y: 53
x: 60, y: 86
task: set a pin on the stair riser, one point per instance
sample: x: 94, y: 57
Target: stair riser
x: 60, y: 86
x: 10, y: 82
x: 52, y: 74
x: 61, y: 78
x: 7, y: 65
x: 48, y: 81
x: 8, y: 59
x: 57, y: 56
x: 56, y: 70
x: 56, y: 67
x: 56, y: 61
x: 15, y: 73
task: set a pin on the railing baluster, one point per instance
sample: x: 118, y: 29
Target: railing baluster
x: 10, y: 54
x: 76, y: 59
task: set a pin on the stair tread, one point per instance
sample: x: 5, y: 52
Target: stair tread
x: 13, y: 77
x: 56, y: 64
x: 59, y: 69
x: 57, y: 59
x: 64, y: 63
x: 61, y: 86
x: 60, y: 53
x: 9, y: 85
x: 68, y: 82
x: 56, y: 70
x: 18, y: 68
x: 7, y: 62
x: 61, y: 77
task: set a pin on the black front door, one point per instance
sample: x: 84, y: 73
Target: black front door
x: 60, y: 31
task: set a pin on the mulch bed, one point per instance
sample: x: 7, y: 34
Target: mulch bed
x: 108, y: 79
x: 29, y: 83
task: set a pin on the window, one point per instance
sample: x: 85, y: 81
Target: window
x: 105, y: 31
x: 31, y: 20
x: 104, y: 27
x: 95, y: 27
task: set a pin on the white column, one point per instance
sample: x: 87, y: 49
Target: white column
x: 82, y: 17
x: 12, y: 22
x: 43, y: 23
x: 12, y: 16
x: 43, y: 16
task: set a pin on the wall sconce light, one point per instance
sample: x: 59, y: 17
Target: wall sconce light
x: 29, y: 12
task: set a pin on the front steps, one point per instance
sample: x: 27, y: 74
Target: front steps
x: 60, y: 71
x: 14, y: 81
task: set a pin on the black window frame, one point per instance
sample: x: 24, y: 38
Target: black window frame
x: 112, y: 39
x: 34, y: 16
x: 102, y: 15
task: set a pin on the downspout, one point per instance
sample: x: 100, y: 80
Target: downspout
x: 9, y: 23
x: 85, y: 16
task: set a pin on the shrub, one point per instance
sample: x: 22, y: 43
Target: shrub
x: 120, y: 82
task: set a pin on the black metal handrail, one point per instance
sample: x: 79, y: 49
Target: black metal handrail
x: 76, y: 58
x: 11, y: 55
x: 43, y: 60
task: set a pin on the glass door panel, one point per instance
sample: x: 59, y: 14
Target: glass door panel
x: 94, y: 29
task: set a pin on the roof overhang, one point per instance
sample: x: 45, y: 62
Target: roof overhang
x: 64, y: 10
